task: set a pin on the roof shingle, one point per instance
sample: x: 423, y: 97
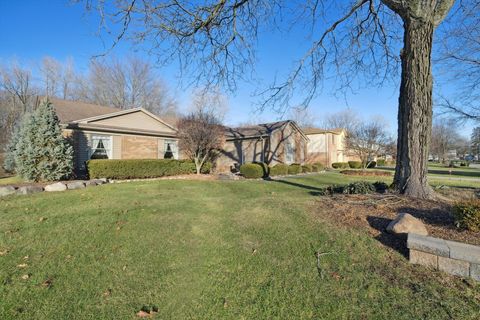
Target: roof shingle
x: 68, y: 111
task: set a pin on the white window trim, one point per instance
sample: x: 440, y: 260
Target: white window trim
x: 174, y: 142
x: 289, y: 152
x: 91, y: 150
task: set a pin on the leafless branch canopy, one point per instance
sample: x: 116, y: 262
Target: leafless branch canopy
x: 368, y: 139
x: 214, y: 41
x: 201, y: 136
x: 458, y: 61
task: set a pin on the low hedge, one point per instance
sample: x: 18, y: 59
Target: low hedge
x: 355, y: 164
x: 320, y: 166
x: 279, y: 170
x: 265, y: 168
x: 467, y: 215
x: 381, y: 162
x: 141, y: 168
x: 357, y: 187
x: 252, y: 170
x: 340, y: 165
x: 307, y: 168
x: 294, y: 168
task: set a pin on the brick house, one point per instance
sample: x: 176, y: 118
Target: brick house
x: 272, y: 143
x: 99, y: 132
x: 327, y: 146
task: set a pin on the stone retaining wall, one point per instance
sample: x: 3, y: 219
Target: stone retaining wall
x: 456, y: 258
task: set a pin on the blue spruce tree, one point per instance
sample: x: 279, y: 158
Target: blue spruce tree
x: 9, y: 161
x: 42, y: 153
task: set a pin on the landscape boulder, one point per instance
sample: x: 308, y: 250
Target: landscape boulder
x: 75, y: 185
x: 29, y: 189
x: 6, y: 191
x: 56, y: 187
x: 406, y: 223
x: 99, y: 181
x: 90, y: 183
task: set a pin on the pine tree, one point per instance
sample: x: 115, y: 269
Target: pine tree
x: 42, y: 153
x: 9, y: 161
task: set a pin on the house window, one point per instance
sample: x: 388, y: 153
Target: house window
x: 289, y: 152
x: 171, y: 149
x: 101, y: 147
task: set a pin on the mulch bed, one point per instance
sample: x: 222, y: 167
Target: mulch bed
x: 373, y: 213
x: 366, y: 173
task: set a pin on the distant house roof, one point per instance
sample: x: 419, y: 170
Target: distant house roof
x: 255, y: 131
x: 69, y: 111
x: 311, y: 130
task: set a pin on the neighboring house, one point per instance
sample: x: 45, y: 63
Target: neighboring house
x: 452, y: 154
x: 99, y: 132
x: 272, y: 143
x: 327, y: 146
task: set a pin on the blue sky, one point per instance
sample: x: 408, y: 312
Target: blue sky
x: 32, y: 29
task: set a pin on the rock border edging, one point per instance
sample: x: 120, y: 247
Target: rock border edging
x: 53, y: 187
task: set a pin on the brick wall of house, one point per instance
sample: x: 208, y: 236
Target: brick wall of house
x: 137, y: 147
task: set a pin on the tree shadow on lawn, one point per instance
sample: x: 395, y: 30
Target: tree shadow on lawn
x: 396, y: 242
x: 299, y: 185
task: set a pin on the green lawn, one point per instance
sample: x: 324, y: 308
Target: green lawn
x: 10, y: 180
x: 335, y: 177
x: 188, y: 248
x: 439, y: 170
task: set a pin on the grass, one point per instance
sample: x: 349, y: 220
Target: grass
x: 10, y: 180
x: 440, y: 170
x: 188, y: 248
x: 335, y: 177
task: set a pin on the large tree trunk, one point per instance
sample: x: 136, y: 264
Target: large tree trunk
x: 415, y: 110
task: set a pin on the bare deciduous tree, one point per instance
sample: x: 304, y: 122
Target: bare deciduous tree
x: 441, y: 140
x: 51, y: 70
x: 445, y: 137
x: 17, y: 82
x: 346, y: 119
x: 302, y: 116
x: 210, y: 102
x: 367, y: 140
x: 17, y: 96
x: 201, y: 136
x: 67, y: 79
x: 215, y: 40
x: 126, y: 84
